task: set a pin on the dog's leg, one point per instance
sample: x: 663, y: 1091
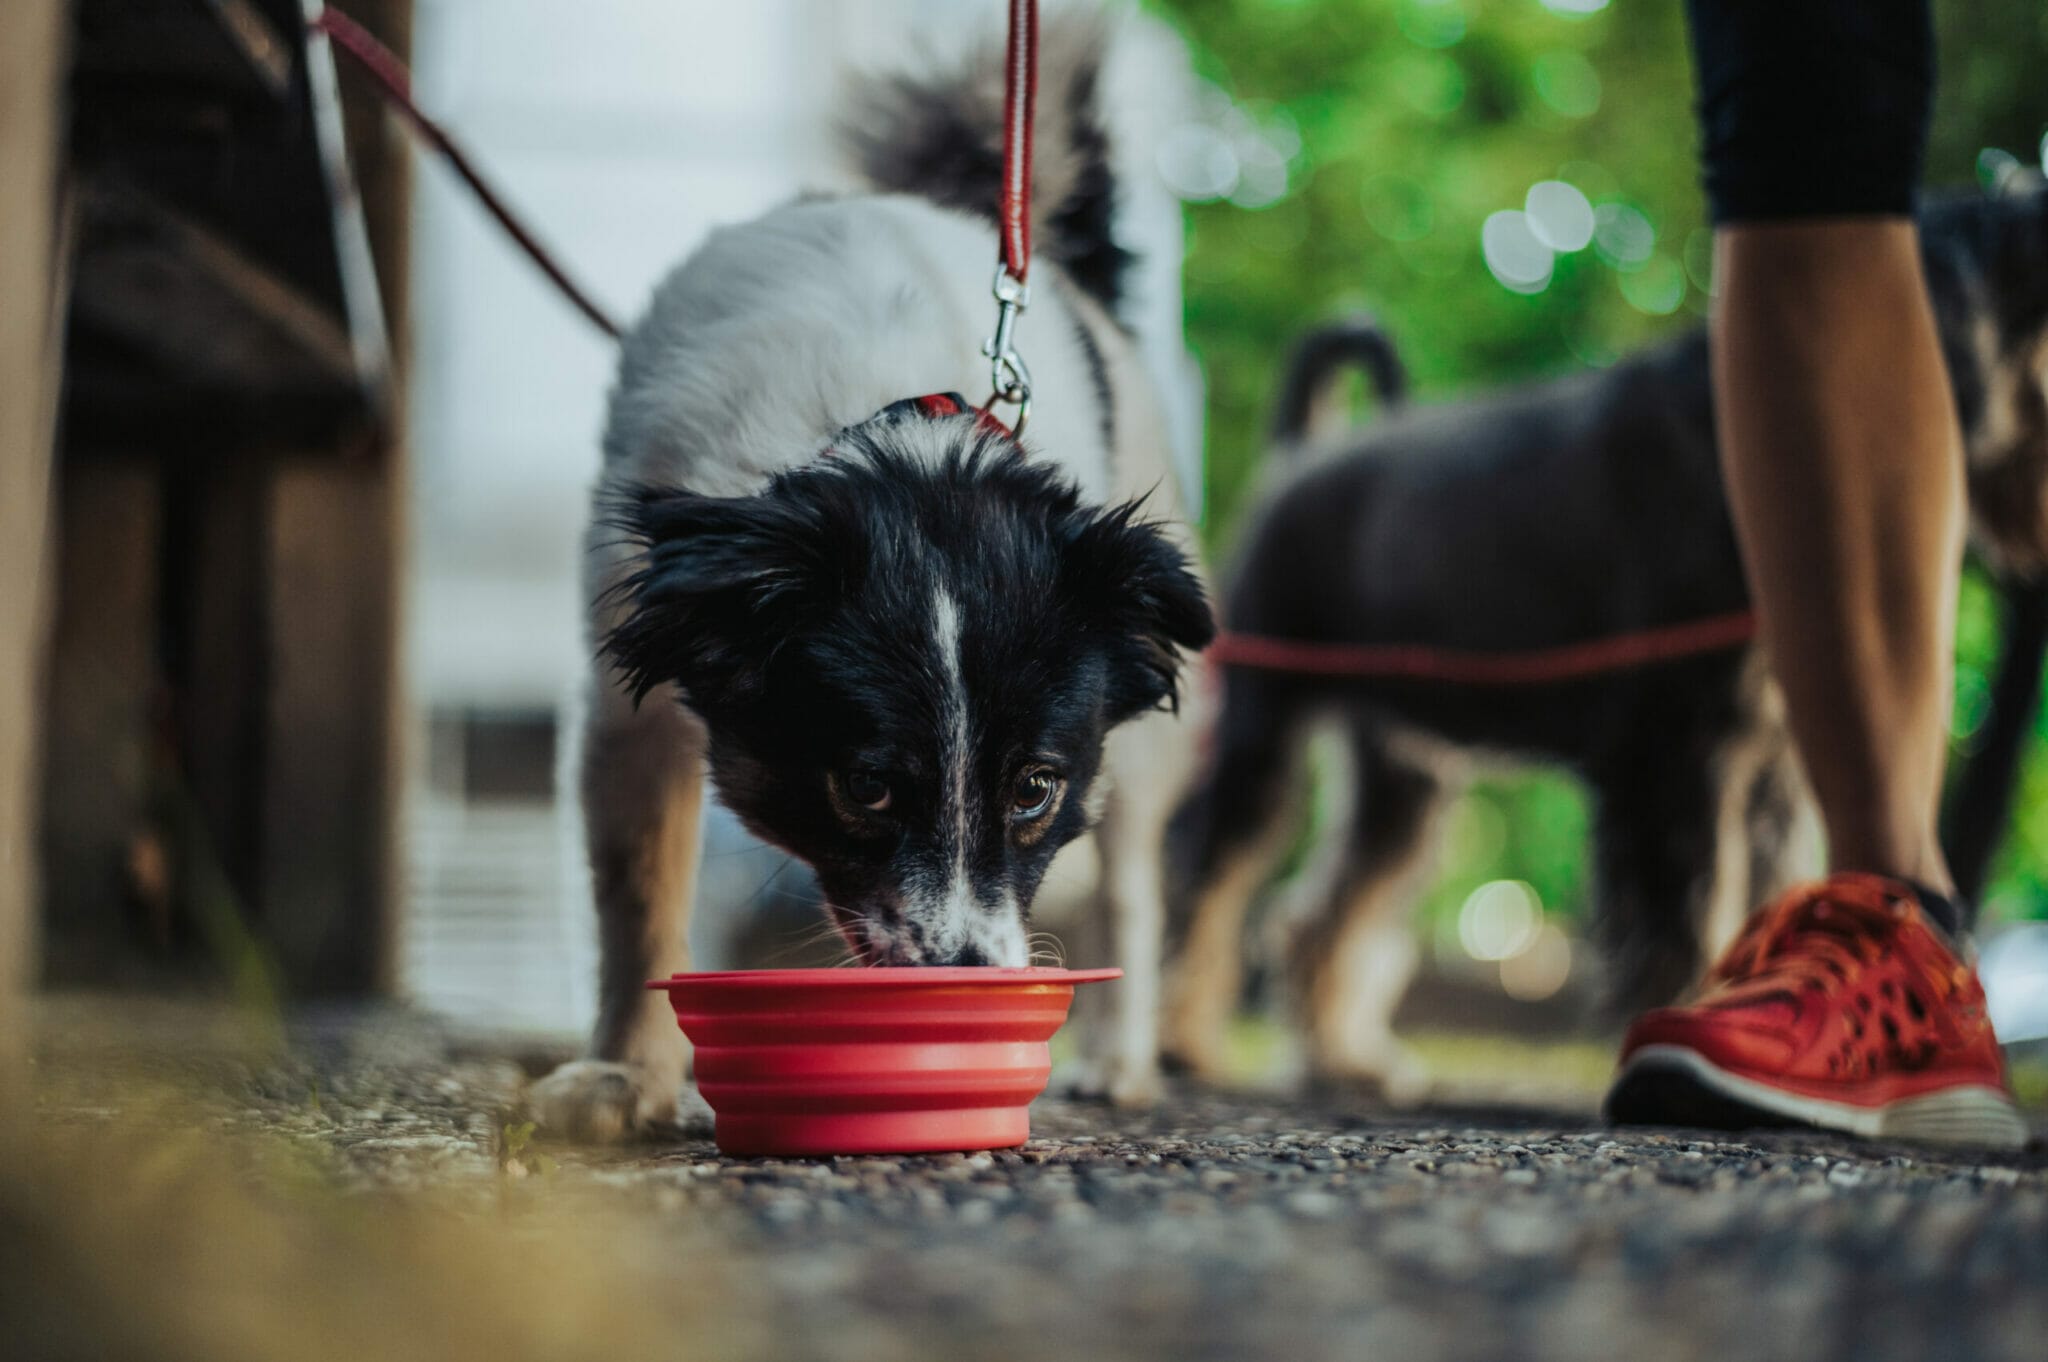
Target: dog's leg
x: 1226, y: 839
x: 642, y: 778
x: 1767, y: 826
x: 1724, y: 902
x: 1787, y: 841
x: 1658, y: 852
x: 1354, y: 955
x: 1147, y: 762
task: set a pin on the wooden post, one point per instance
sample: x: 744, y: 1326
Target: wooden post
x: 328, y: 827
x: 334, y: 751
x: 31, y: 47
x: 100, y: 681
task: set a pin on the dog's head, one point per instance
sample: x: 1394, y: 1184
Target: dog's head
x: 1988, y: 266
x: 908, y: 655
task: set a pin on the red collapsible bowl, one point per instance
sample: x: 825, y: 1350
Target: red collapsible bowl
x: 873, y: 1061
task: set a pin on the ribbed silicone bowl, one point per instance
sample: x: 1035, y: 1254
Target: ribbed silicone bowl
x: 873, y: 1061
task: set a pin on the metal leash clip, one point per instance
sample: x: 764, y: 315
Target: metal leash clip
x: 1009, y: 379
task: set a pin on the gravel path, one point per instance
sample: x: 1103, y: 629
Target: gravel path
x: 1216, y: 1226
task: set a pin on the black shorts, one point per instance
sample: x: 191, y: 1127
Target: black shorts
x: 1812, y: 108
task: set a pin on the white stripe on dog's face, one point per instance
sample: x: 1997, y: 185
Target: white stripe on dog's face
x: 957, y: 754
x: 952, y: 920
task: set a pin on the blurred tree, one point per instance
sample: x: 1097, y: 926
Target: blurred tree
x: 1352, y: 157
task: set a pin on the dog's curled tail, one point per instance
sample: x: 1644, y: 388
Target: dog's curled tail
x: 1319, y: 358
x: 938, y: 133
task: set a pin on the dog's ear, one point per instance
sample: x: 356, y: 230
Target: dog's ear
x: 1131, y: 582
x: 722, y: 583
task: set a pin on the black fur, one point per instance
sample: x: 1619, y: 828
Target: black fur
x: 800, y: 625
x: 1319, y: 357
x: 939, y: 136
x: 1987, y: 270
x: 1098, y: 378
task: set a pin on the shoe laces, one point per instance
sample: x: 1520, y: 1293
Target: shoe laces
x: 1825, y: 935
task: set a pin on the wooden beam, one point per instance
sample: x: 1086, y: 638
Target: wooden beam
x: 199, y: 308
x: 223, y: 44
x: 335, y: 750
x: 328, y: 901
x: 31, y: 58
x: 97, y: 716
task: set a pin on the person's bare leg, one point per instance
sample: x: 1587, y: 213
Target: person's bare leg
x: 1845, y: 473
x: 1837, y: 1006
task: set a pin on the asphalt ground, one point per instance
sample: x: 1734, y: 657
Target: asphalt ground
x: 1217, y: 1225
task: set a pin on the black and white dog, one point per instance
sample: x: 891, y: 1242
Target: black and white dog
x: 909, y: 649
x: 1570, y: 510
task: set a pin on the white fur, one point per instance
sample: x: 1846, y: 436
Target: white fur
x: 997, y: 929
x: 778, y: 334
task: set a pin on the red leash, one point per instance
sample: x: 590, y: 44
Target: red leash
x: 1451, y: 666
x: 1012, y: 384
x: 394, y: 83
x: 1009, y: 380
x: 1020, y: 108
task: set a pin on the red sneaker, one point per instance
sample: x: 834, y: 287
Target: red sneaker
x: 1839, y: 1006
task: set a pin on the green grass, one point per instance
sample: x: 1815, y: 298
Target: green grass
x: 1471, y: 1063
x: 2030, y: 1082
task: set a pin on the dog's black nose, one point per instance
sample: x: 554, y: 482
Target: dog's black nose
x: 969, y: 954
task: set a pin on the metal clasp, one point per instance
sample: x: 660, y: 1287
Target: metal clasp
x: 1009, y: 380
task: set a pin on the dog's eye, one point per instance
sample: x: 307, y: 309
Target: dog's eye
x: 867, y: 789
x: 1036, y: 789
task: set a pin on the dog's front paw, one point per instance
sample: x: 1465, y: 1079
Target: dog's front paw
x: 1098, y: 1080
x: 1203, y: 1064
x: 1391, y: 1072
x: 599, y: 1102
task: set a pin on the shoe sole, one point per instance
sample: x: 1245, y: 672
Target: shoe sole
x: 1671, y: 1085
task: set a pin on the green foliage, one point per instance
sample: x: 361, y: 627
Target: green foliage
x: 1416, y: 119
x: 2019, y: 874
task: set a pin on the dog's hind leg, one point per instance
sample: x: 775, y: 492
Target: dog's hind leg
x: 1765, y: 821
x: 1787, y: 843
x: 641, y: 772
x: 1225, y: 841
x: 1354, y: 952
x: 1671, y: 850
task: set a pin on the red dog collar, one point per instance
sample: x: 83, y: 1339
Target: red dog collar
x: 934, y: 405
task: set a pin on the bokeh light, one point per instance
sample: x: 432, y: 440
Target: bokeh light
x: 1995, y: 168
x: 1541, y: 968
x: 1623, y: 237
x: 1396, y: 207
x: 1227, y: 153
x: 1196, y: 163
x: 1433, y: 23
x: 1559, y: 215
x: 1500, y: 919
x: 1576, y: 9
x: 1431, y: 83
x: 1656, y: 287
x: 1261, y: 174
x: 1567, y: 83
x: 1514, y: 254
